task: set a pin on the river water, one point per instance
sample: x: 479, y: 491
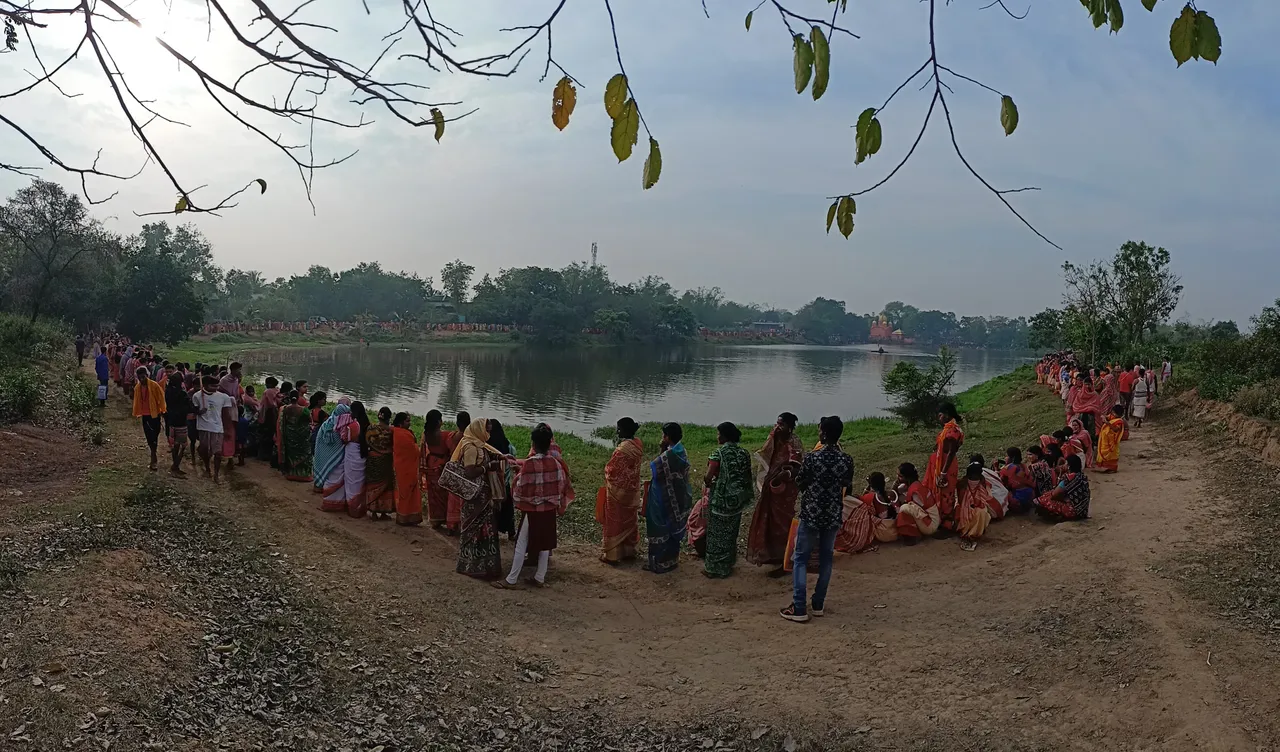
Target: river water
x: 581, y: 389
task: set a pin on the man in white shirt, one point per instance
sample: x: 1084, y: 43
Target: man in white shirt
x: 208, y: 404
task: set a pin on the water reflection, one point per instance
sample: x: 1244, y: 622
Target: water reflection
x: 584, y: 388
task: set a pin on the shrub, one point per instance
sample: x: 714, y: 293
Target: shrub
x: 919, y: 393
x: 22, y: 341
x: 21, y: 390
x: 1261, y: 400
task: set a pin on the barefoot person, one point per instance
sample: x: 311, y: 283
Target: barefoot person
x: 823, y: 476
x: 942, y: 472
x: 479, y: 553
x: 540, y: 493
x: 432, y: 457
x: 771, y: 521
x: 619, y: 514
x: 1110, y: 434
x: 148, y: 404
x: 177, y: 408
x: 669, y: 501
x: 729, y: 479
x: 404, y: 448
x: 209, y: 405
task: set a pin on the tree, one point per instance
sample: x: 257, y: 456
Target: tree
x: 281, y: 76
x: 1046, y: 330
x: 47, y: 232
x: 158, y: 299
x: 1224, y: 330
x: 897, y: 313
x: 455, y: 278
x: 1141, y: 291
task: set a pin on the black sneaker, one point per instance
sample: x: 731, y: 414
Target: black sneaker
x: 789, y: 613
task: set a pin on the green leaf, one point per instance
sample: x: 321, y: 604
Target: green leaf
x: 626, y: 130
x: 652, y: 165
x: 1008, y: 115
x: 437, y: 117
x: 1149, y: 4
x: 867, y: 140
x: 845, y: 210
x: 1182, y: 36
x: 750, y: 13
x: 563, y: 99
x: 181, y: 206
x: 1098, y: 9
x: 1208, y: 40
x: 803, y: 63
x: 873, y: 136
x: 261, y: 184
x: 860, y: 134
x: 615, y: 96
x: 821, y: 62
x: 831, y: 214
x: 1116, y: 15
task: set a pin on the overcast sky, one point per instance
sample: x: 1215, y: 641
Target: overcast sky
x: 1124, y: 144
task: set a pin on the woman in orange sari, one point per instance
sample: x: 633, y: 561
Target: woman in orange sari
x: 620, y: 511
x: 942, y: 472
x: 777, y: 489
x: 404, y: 453
x: 975, y: 507
x: 432, y: 457
x: 1109, y: 436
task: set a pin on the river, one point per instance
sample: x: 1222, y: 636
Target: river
x: 580, y: 389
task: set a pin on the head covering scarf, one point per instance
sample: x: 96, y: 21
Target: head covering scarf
x: 329, y: 445
x: 476, y: 435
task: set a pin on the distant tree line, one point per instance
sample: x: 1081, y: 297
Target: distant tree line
x: 162, y: 284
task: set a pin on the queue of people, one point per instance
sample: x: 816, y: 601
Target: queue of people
x: 469, y: 483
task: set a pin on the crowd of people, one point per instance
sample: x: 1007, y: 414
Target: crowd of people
x: 470, y: 482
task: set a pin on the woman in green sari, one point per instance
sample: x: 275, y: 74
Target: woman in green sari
x: 293, y: 438
x: 732, y: 492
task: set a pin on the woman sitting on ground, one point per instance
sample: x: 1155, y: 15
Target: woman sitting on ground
x: 918, y: 513
x: 1041, y: 471
x: 1070, y: 500
x: 868, y: 518
x: 975, y: 506
x: 1018, y: 479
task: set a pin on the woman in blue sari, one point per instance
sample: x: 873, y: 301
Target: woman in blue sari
x: 668, y: 502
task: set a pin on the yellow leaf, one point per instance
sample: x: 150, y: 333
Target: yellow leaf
x: 181, y: 206
x: 563, y: 99
x: 652, y: 165
x: 845, y: 210
x: 437, y: 117
x: 625, y: 131
x: 615, y: 96
x: 831, y: 214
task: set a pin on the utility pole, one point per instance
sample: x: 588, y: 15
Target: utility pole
x: 593, y: 254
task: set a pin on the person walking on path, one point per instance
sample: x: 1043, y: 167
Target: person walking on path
x: 823, y: 476
x: 148, y: 404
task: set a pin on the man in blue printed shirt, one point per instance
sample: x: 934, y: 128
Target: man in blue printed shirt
x: 825, y: 475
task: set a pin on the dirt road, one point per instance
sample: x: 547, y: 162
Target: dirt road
x: 1075, y: 636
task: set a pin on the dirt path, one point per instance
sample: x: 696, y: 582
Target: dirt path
x: 1047, y: 637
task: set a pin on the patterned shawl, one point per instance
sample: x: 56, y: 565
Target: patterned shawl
x: 733, y: 490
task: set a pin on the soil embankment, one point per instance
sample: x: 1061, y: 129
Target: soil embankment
x: 141, y: 611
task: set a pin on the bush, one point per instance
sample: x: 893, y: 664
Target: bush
x: 22, y: 341
x: 21, y: 390
x: 920, y: 393
x: 1261, y: 400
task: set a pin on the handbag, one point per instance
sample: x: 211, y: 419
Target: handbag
x: 102, y: 392
x: 455, y: 482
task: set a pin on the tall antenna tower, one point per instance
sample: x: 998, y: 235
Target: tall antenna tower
x: 593, y: 253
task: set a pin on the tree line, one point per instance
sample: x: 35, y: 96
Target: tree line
x: 162, y: 284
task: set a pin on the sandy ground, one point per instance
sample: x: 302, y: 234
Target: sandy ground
x: 1073, y: 636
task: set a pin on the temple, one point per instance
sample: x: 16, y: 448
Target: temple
x: 881, y: 331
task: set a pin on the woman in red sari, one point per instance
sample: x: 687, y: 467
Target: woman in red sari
x: 771, y: 521
x: 868, y: 519
x: 975, y: 507
x: 620, y: 510
x: 432, y: 457
x: 453, y: 516
x: 942, y: 472
x: 404, y: 451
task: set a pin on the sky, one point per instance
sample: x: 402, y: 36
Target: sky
x: 1123, y: 144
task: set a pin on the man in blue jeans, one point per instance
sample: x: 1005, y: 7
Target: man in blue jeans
x: 824, y: 476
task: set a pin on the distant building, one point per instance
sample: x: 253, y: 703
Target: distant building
x: 882, y: 331
x: 768, y: 326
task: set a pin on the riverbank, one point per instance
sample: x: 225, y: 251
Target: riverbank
x: 221, y: 347
x: 138, y: 612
